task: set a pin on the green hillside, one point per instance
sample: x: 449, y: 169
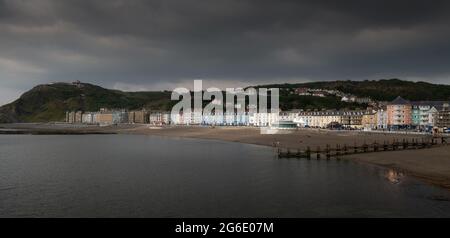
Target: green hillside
x: 49, y: 102
x: 380, y: 90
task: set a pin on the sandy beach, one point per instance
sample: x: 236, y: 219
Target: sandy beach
x: 431, y: 165
x: 294, y: 139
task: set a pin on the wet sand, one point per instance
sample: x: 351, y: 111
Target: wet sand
x: 430, y: 165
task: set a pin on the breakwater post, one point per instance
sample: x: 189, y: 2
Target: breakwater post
x: 318, y: 152
x: 374, y: 147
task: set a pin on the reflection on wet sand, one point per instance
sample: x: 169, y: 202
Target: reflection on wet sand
x: 393, y: 176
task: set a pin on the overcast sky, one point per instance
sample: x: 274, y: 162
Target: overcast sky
x: 155, y: 45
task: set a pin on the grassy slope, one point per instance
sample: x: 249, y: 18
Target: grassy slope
x: 49, y: 102
x: 381, y: 90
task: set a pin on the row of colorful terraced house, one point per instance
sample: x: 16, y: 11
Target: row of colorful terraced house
x: 402, y: 113
x: 117, y: 116
x: 395, y: 115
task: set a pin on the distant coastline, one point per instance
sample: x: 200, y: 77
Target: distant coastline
x: 50, y: 129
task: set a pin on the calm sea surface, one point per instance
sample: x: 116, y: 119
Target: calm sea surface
x: 145, y: 176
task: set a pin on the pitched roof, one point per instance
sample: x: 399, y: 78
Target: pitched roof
x: 442, y: 107
x: 400, y: 101
x: 429, y: 103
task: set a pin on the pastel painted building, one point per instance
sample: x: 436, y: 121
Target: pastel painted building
x: 241, y: 119
x: 196, y: 118
x: 292, y: 116
x: 303, y: 119
x: 382, y: 119
x: 431, y: 117
x: 88, y: 118
x: 212, y: 119
x: 399, y: 113
x: 424, y: 113
x: 320, y: 119
x: 442, y: 119
x: 262, y: 119
x: 159, y: 118
x: 186, y: 118
x: 416, y: 114
x: 352, y: 119
x: 70, y: 117
x: 329, y: 117
x: 103, y: 118
x: 139, y: 117
x: 177, y: 119
x: 369, y: 120
x: 119, y: 116
x: 78, y: 117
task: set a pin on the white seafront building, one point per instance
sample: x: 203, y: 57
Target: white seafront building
x: 382, y: 119
x: 88, y: 118
x: 159, y: 118
x: 262, y: 119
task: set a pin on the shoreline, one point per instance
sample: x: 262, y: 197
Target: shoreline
x: 429, y: 165
x: 409, y: 162
x: 434, y: 171
x: 54, y: 132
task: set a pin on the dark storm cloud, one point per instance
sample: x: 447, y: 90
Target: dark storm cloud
x: 160, y: 44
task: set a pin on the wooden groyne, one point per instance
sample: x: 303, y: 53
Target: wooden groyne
x: 339, y: 150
